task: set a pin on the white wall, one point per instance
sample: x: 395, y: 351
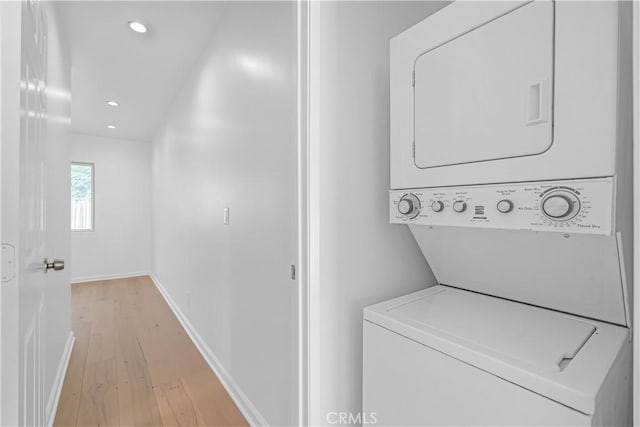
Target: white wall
x: 360, y: 258
x: 230, y: 141
x: 119, y: 244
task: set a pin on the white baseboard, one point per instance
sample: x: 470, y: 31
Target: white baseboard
x: 56, y: 390
x: 108, y: 277
x: 241, y: 400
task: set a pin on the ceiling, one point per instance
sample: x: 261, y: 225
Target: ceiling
x: 142, y: 72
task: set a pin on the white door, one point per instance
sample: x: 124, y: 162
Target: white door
x: 24, y: 210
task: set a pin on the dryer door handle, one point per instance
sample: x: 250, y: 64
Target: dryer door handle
x: 538, y: 104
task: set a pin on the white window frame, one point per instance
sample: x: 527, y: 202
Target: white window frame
x: 93, y: 196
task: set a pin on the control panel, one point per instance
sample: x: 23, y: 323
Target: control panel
x: 576, y: 206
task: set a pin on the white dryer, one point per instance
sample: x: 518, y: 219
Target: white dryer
x: 505, y: 91
x: 510, y: 163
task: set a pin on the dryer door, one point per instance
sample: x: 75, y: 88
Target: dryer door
x: 487, y: 94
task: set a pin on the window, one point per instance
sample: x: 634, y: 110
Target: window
x: 82, y: 213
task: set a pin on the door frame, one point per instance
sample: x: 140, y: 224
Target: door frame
x: 636, y: 210
x: 1, y: 73
x: 10, y: 63
x: 304, y: 209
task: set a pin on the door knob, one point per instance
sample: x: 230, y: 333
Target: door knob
x: 55, y: 265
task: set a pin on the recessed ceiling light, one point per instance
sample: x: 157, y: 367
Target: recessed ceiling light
x: 112, y: 103
x: 138, y: 27
x: 111, y: 126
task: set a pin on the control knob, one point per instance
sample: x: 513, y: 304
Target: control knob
x: 405, y: 206
x: 560, y: 205
x: 557, y: 206
x: 437, y: 206
x: 409, y: 205
x: 459, y: 206
x: 505, y: 206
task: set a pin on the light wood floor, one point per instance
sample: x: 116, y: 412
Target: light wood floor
x: 134, y: 365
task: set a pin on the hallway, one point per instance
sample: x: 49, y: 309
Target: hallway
x: 319, y: 213
x: 134, y: 364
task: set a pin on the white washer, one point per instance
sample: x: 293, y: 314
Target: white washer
x: 445, y: 356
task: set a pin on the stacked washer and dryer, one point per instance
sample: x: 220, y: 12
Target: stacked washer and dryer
x: 511, y: 165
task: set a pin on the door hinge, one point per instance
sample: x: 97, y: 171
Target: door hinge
x: 8, y: 262
x: 293, y: 272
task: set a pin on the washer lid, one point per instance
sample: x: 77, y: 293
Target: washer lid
x: 560, y: 356
x: 514, y: 332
